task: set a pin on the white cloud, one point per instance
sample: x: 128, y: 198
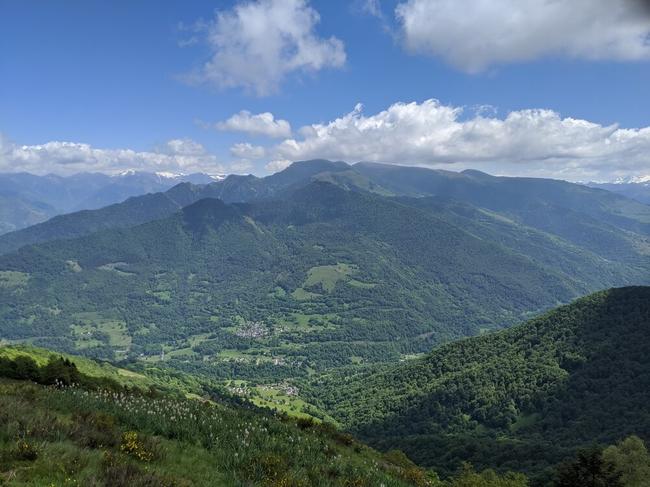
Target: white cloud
x: 371, y: 7
x: 277, y: 165
x: 177, y: 155
x: 183, y: 147
x: 526, y: 142
x: 476, y: 34
x: 259, y: 124
x: 244, y: 150
x: 256, y: 44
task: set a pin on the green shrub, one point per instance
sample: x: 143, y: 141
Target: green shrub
x: 25, y: 450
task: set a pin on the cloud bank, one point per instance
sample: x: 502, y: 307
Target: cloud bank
x: 534, y: 142
x: 257, y: 44
x: 476, y: 34
x: 176, y: 156
x: 528, y: 142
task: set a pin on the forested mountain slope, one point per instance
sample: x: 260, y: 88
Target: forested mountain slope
x: 17, y: 211
x: 133, y: 211
x: 522, y: 398
x: 27, y: 199
x: 601, y: 222
x: 324, y: 270
x: 639, y: 191
x: 149, y: 207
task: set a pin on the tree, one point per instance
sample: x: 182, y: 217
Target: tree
x: 631, y: 460
x: 62, y: 370
x: 589, y: 469
x: 26, y: 368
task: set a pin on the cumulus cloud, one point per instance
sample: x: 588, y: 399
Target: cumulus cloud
x: 177, y: 155
x: 244, y: 150
x: 526, y: 142
x: 277, y: 165
x: 259, y: 124
x: 476, y: 34
x: 257, y: 44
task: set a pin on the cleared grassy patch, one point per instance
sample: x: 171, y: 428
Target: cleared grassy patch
x: 301, y: 295
x: 361, y: 284
x: 94, y: 327
x: 328, y: 275
x: 120, y: 268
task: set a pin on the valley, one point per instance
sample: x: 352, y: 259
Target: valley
x: 319, y: 293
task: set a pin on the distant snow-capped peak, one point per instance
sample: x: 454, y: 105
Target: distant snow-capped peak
x: 169, y: 175
x: 634, y: 180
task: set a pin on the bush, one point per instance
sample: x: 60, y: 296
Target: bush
x: 24, y: 450
x: 397, y: 457
x: 305, y: 423
x: 95, y: 430
x: 118, y: 472
x: 133, y: 446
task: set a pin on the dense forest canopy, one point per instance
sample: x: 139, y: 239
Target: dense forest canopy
x: 522, y: 398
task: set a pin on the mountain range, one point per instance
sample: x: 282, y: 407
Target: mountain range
x: 321, y: 265
x: 347, y: 293
x: 27, y: 199
x: 637, y: 190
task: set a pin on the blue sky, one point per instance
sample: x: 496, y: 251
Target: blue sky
x: 131, y: 76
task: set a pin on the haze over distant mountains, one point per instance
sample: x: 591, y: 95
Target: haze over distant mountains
x: 27, y: 199
x: 635, y: 188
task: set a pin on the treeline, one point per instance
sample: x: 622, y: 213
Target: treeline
x: 57, y: 371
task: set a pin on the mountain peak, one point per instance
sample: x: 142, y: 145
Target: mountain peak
x: 208, y: 213
x: 476, y: 174
x: 304, y: 170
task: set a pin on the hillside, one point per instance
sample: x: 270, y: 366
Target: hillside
x: 17, y: 211
x: 602, y: 222
x: 521, y: 399
x: 27, y: 199
x: 269, y: 291
x: 101, y: 434
x: 133, y: 211
x: 148, y: 207
x: 325, y: 278
x: 605, y: 223
x: 639, y: 191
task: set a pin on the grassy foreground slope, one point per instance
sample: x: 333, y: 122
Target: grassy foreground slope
x: 521, y: 399
x: 99, y: 433
x: 60, y: 426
